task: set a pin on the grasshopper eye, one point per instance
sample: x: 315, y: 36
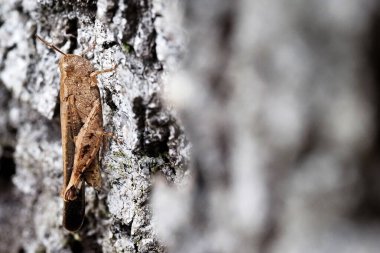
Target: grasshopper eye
x: 68, y: 67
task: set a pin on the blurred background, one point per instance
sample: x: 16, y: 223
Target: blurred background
x: 242, y: 126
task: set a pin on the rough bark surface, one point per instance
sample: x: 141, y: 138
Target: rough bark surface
x: 148, y: 140
x: 279, y: 100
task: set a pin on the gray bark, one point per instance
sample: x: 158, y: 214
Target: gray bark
x: 279, y: 100
x: 148, y: 140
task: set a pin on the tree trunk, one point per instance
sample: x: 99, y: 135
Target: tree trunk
x: 147, y: 141
x: 279, y: 100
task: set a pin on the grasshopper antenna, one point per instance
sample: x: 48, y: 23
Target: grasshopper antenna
x: 49, y: 45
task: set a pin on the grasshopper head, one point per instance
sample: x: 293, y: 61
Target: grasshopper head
x: 75, y: 65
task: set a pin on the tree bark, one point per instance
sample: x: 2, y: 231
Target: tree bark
x: 277, y: 102
x: 148, y: 141
x: 280, y: 102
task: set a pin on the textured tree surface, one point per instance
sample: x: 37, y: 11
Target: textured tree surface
x: 277, y: 102
x: 148, y: 142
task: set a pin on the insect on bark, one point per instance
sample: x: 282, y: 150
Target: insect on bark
x: 81, y: 132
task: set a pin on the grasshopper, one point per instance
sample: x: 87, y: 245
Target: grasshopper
x: 87, y: 145
x: 81, y: 132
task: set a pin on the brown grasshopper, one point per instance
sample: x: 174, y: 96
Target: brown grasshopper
x: 81, y: 131
x: 87, y: 145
